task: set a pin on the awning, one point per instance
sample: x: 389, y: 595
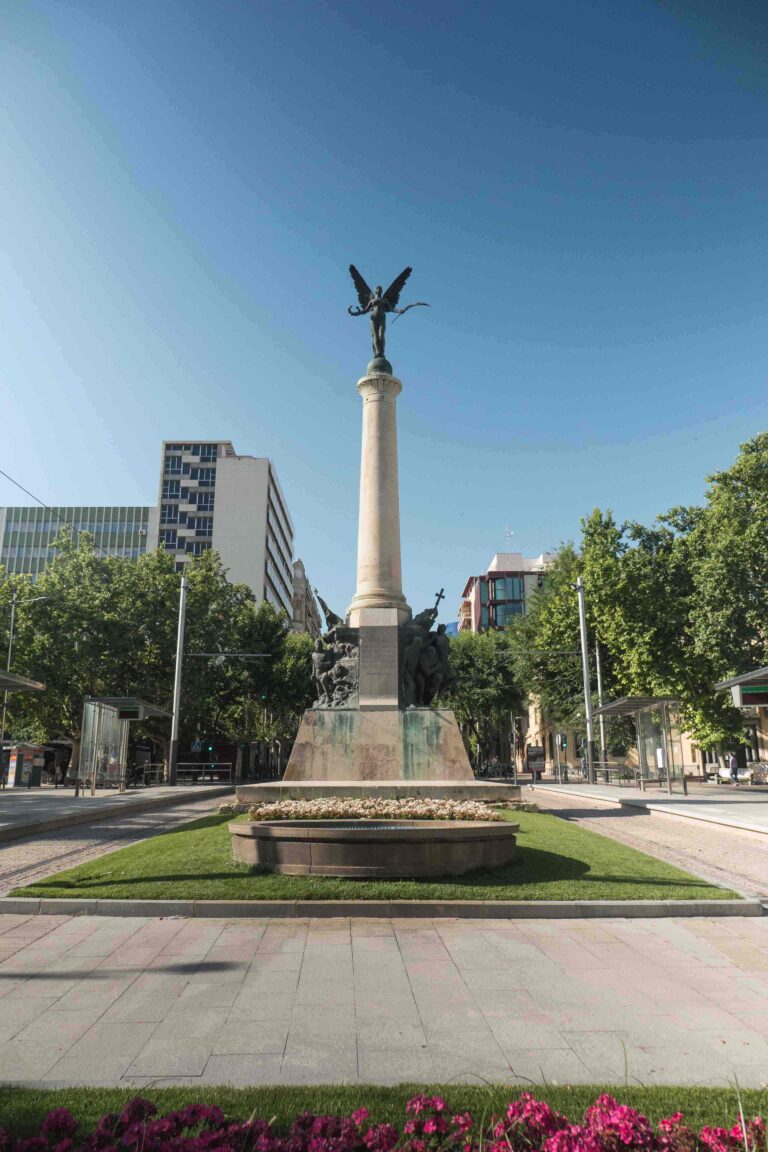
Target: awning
x: 628, y: 705
x: 9, y: 682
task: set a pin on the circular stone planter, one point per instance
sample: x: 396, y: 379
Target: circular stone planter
x: 374, y: 848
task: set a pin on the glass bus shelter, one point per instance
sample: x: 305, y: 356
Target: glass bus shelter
x: 659, y: 746
x: 104, y: 743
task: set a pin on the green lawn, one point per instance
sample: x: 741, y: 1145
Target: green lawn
x: 557, y: 861
x: 22, y: 1109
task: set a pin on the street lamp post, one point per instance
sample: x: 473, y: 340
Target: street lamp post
x: 579, y: 586
x: 173, y: 757
x: 603, y: 757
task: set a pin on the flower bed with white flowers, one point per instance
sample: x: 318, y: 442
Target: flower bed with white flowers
x: 349, y: 808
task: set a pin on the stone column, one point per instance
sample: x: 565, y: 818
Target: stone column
x: 378, y: 606
x: 379, y: 573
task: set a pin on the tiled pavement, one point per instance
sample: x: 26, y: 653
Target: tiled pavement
x: 136, y: 1001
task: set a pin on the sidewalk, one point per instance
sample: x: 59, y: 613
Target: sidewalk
x: 745, y: 808
x: 27, y: 812
x: 134, y: 1002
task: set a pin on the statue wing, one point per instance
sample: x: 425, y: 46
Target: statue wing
x: 392, y: 294
x: 364, y: 293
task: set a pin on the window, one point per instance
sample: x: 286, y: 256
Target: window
x: 169, y: 514
x: 484, y: 617
x: 203, y: 525
x: 503, y: 613
x: 204, y: 501
x: 171, y: 489
x: 197, y: 547
x: 180, y: 565
x: 206, y: 477
x: 168, y: 539
x: 208, y: 451
x: 173, y: 465
x: 483, y: 591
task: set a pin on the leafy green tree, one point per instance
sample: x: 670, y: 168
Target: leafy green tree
x: 545, y: 644
x: 486, y: 694
x: 69, y: 636
x: 642, y: 597
x: 729, y: 560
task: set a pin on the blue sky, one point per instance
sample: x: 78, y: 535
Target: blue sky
x: 580, y: 188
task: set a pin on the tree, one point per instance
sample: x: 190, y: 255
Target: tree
x: 486, y: 694
x: 105, y: 626
x: 729, y: 559
x: 545, y: 643
x: 68, y: 635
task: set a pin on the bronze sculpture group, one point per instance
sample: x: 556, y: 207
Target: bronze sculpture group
x: 425, y: 670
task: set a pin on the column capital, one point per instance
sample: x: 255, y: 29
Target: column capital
x: 379, y: 384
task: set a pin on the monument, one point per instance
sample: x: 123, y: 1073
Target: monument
x: 373, y: 729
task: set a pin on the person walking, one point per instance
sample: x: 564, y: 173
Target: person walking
x: 733, y: 766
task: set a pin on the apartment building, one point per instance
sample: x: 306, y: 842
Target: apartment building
x: 494, y: 598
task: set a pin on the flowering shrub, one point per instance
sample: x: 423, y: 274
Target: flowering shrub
x: 529, y: 1125
x: 349, y: 808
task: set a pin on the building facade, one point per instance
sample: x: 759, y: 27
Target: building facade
x: 208, y: 497
x: 27, y: 533
x: 494, y: 598
x: 306, y: 614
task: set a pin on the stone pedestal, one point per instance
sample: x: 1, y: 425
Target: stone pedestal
x: 418, y: 744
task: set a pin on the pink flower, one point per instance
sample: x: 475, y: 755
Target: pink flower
x: 360, y: 1116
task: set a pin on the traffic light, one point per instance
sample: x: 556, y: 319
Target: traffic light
x: 264, y: 696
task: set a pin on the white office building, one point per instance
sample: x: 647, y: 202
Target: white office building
x: 212, y: 498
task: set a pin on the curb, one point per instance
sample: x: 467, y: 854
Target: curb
x: 386, y: 909
x: 657, y: 808
x: 91, y: 816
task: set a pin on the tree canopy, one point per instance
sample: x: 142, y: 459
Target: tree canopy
x: 95, y: 625
x: 676, y: 606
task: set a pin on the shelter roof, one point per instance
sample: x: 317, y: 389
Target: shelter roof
x: 10, y: 682
x: 627, y: 705
x: 144, y: 707
x: 757, y: 675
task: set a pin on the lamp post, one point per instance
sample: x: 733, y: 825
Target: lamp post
x: 173, y: 756
x: 603, y: 757
x: 579, y: 586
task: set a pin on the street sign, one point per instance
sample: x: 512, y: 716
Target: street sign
x: 197, y: 746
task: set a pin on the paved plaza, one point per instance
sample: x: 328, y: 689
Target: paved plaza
x: 744, y: 808
x: 26, y: 812
x: 138, y: 1001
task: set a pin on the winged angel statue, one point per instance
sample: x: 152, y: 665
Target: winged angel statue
x: 377, y: 304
